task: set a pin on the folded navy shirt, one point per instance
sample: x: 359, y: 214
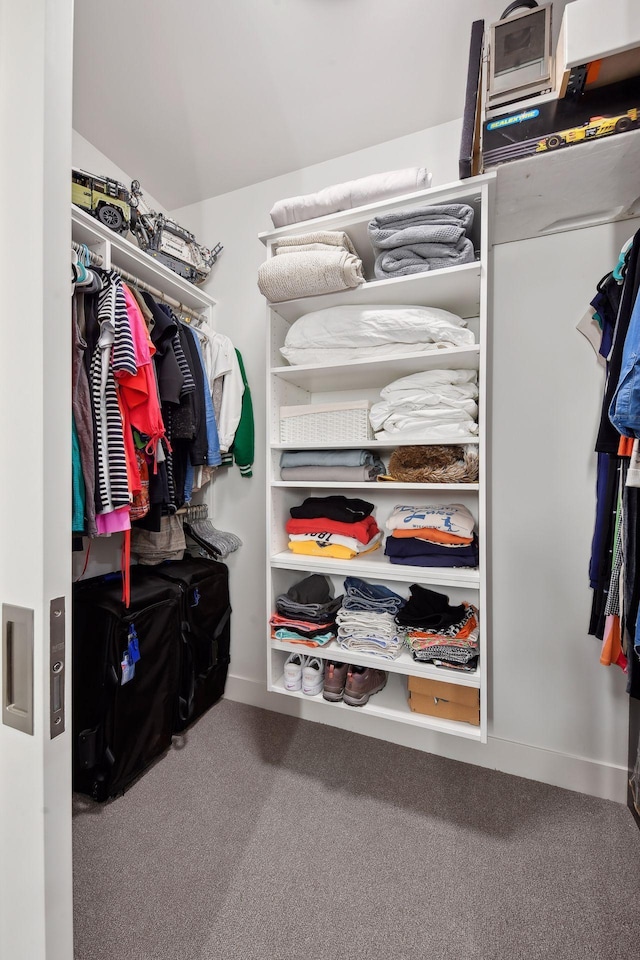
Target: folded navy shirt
x: 413, y: 550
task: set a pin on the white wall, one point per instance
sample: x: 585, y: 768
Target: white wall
x: 555, y: 713
x: 89, y: 158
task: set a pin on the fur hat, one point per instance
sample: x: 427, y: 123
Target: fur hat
x: 437, y: 464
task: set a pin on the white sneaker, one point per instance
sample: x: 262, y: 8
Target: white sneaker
x: 293, y: 671
x: 313, y: 676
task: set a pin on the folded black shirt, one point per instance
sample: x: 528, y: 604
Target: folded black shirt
x: 427, y: 608
x: 342, y: 509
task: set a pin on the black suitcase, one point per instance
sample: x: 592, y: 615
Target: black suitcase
x: 123, y: 718
x: 206, y: 632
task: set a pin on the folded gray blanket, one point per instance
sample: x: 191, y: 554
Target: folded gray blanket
x: 419, y: 233
x: 419, y: 257
x: 355, y: 193
x: 383, y: 230
x: 341, y: 474
x: 327, y: 458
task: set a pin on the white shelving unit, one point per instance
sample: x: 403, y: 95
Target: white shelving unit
x: 462, y: 290
x: 120, y: 253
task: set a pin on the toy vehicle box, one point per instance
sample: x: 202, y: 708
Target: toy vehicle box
x: 541, y: 127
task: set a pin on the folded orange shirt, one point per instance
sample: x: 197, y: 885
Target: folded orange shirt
x: 430, y: 533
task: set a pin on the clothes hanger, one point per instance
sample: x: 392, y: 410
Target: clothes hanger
x: 621, y: 266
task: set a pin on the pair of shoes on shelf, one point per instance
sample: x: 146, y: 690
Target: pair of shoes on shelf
x: 351, y: 684
x: 304, y: 673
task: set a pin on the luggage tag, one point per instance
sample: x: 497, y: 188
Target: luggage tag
x: 133, y: 648
x: 128, y: 669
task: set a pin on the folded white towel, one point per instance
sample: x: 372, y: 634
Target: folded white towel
x: 310, y: 265
x: 318, y: 240
x: 314, y: 274
x: 416, y: 431
x: 354, y: 193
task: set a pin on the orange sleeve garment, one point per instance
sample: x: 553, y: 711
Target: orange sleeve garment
x: 430, y: 533
x: 612, y: 651
x: 625, y: 447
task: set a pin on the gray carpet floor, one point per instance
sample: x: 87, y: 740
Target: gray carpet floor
x: 263, y: 837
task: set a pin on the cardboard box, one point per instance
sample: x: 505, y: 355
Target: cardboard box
x: 448, y: 701
x: 536, y: 128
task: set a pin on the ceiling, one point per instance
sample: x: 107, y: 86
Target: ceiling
x: 201, y: 97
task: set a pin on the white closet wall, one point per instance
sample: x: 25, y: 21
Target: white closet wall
x: 88, y: 157
x: 555, y: 714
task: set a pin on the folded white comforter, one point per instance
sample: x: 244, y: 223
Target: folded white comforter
x: 354, y: 193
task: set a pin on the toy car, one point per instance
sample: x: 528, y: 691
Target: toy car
x: 594, y: 128
x: 104, y: 198
x: 163, y: 238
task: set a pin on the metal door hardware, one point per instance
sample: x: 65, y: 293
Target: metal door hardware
x: 17, y: 668
x: 57, y: 667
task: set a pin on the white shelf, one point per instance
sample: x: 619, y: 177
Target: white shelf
x: 573, y: 187
x: 405, y: 664
x: 377, y: 566
x: 372, y: 444
x: 355, y: 220
x: 371, y: 487
x: 456, y: 289
x: 391, y: 704
x: 462, y: 290
x: 365, y: 374
x: 129, y: 257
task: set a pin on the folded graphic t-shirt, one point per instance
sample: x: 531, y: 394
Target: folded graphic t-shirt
x: 451, y: 518
x: 312, y: 549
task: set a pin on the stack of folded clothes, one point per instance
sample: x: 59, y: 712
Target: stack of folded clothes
x: 346, y: 466
x: 336, y: 526
x: 432, y: 405
x: 436, y: 632
x: 356, y: 332
x: 310, y: 265
x: 421, y: 238
x: 366, y: 622
x: 354, y: 193
x: 432, y: 536
x: 306, y: 613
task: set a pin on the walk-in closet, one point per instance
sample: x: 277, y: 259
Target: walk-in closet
x: 320, y: 629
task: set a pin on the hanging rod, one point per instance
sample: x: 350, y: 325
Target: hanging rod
x: 98, y: 261
x: 194, y: 511
x: 84, y: 250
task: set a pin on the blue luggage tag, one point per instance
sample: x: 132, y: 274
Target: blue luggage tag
x: 128, y: 669
x: 133, y: 648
